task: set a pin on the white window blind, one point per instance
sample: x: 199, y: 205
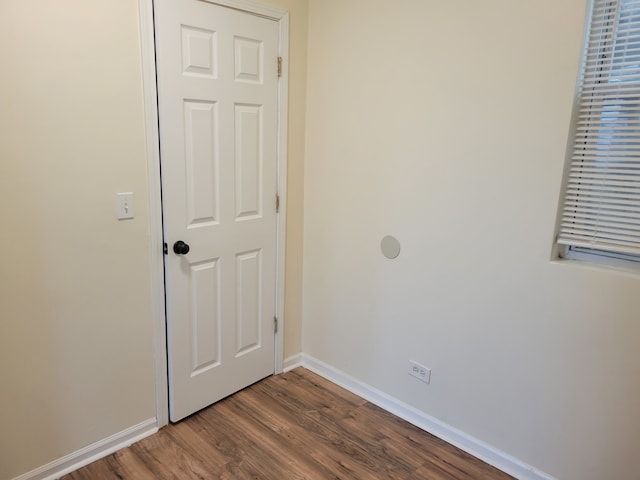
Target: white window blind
x: 601, y: 205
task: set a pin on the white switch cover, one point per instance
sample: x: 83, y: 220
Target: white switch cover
x: 125, y: 205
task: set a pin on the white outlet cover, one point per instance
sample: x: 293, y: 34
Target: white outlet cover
x: 420, y: 372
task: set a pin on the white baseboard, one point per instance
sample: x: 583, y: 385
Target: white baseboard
x: 469, y: 444
x: 294, y: 361
x: 91, y: 453
x: 463, y: 441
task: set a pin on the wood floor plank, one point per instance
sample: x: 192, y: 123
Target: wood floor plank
x: 192, y: 437
x: 291, y: 464
x: 99, y: 470
x: 315, y: 383
x: 126, y: 464
x: 168, y: 460
x: 299, y: 441
x: 423, y: 447
x: 295, y: 426
x: 280, y: 435
x: 431, y: 473
x: 323, y: 437
x: 122, y: 464
x: 248, y: 449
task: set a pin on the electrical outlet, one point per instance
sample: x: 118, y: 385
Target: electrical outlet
x: 421, y: 372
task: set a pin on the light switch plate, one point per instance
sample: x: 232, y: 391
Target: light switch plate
x: 125, y: 205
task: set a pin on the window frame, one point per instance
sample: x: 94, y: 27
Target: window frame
x: 605, y: 63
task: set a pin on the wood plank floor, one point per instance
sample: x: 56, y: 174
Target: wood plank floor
x: 291, y: 426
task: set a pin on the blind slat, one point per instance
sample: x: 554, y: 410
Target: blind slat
x: 589, y: 197
x: 611, y: 215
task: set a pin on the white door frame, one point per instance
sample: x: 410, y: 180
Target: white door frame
x: 155, y: 200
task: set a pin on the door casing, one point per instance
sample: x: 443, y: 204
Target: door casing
x: 155, y: 198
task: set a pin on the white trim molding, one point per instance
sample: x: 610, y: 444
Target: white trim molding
x: 253, y: 6
x: 155, y: 210
x: 283, y: 136
x: 449, y: 434
x: 91, y: 453
x: 294, y: 361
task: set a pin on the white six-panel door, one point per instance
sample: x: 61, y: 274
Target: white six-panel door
x: 217, y: 102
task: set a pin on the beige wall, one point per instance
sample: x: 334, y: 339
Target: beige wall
x: 445, y: 124
x: 75, y: 332
x: 423, y: 118
x: 76, y: 360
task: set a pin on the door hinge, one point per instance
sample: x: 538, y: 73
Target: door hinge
x: 277, y: 203
x: 165, y: 249
x: 275, y: 324
x: 279, y: 66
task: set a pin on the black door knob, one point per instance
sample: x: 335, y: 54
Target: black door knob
x: 181, y: 248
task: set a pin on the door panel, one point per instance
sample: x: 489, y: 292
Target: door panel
x: 248, y: 301
x: 205, y: 316
x: 249, y: 158
x: 217, y: 102
x: 202, y: 162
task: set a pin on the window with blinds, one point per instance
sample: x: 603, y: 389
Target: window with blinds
x: 600, y: 211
